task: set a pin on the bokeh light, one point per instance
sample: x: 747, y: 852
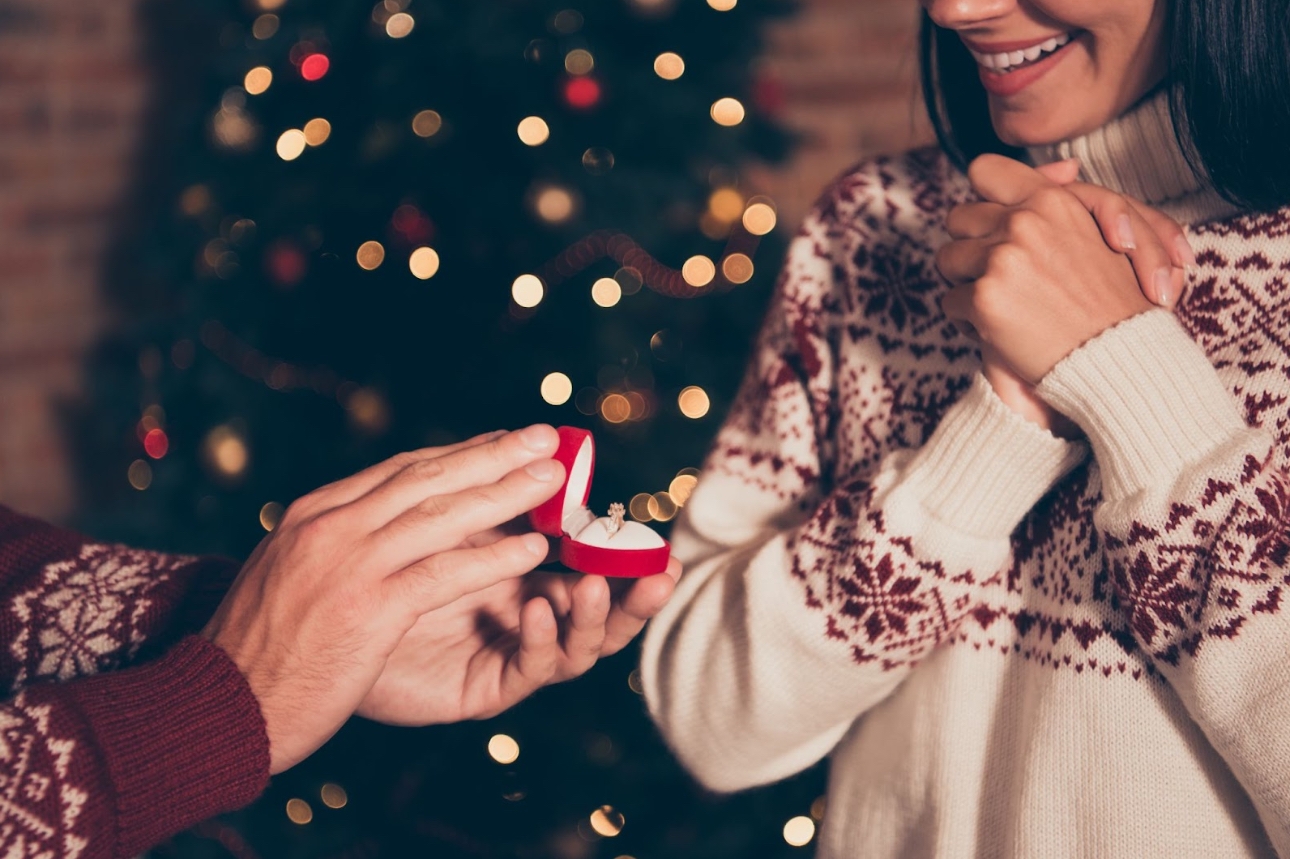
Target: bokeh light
x: 503, y: 749
x: 290, y: 144
x: 759, y: 218
x: 399, y: 25
x: 579, y: 62
x: 527, y: 290
x: 698, y: 271
x: 317, y: 131
x: 737, y: 268
x: 334, y: 796
x: 662, y: 506
x: 271, y: 515
x: 226, y: 451
x: 424, y: 263
x: 606, y: 292
x: 607, y: 821
x: 727, y: 111
x: 694, y: 402
x: 557, y: 388
x: 723, y: 5
x: 554, y: 204
x: 533, y: 131
x: 139, y: 474
x: 726, y: 204
x: 299, y: 811
x: 265, y: 27
x: 598, y: 160
x: 155, y: 443
x: 314, y: 67
x: 639, y: 507
x: 257, y: 80
x: 681, y: 487
x: 615, y: 408
x: 669, y: 66
x: 370, y: 255
x: 799, y: 831
x: 368, y: 410
x: 427, y: 123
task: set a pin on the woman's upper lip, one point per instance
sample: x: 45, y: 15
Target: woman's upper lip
x: 1009, y: 47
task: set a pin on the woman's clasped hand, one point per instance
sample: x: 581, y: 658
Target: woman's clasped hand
x: 404, y: 593
x: 1042, y: 263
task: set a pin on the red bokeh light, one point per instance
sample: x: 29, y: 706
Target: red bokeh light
x: 412, y: 225
x: 155, y: 443
x: 286, y: 263
x: 582, y: 93
x: 314, y: 66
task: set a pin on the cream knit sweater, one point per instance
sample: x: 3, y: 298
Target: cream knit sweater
x: 1007, y: 647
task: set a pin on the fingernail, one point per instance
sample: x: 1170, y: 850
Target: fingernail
x: 1125, y: 228
x: 537, y: 438
x: 536, y: 545
x: 1185, y: 249
x: 1162, y: 278
x: 544, y: 470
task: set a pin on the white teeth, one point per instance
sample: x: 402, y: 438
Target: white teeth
x: 1003, y: 62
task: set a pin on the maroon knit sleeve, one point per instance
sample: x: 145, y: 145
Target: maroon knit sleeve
x: 111, y: 765
x: 71, y: 607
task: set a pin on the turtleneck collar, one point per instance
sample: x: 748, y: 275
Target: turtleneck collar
x: 1138, y: 154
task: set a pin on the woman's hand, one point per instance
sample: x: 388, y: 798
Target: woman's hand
x: 489, y: 650
x: 325, y: 600
x: 1037, y: 276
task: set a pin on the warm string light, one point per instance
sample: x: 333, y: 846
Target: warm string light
x: 503, y: 749
x: 799, y: 831
x: 654, y: 274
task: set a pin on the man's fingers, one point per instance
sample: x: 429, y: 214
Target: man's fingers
x: 474, y: 466
x: 536, y: 661
x: 644, y: 599
x: 1004, y: 180
x: 443, y: 522
x: 436, y: 581
x: 585, y: 631
x: 356, y: 485
x: 975, y: 220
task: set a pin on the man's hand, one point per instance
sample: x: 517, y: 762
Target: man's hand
x: 327, y: 598
x: 487, y: 651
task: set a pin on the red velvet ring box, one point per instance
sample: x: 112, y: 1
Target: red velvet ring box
x: 604, y: 546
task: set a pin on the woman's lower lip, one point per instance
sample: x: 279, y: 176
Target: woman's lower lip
x: 1014, y: 82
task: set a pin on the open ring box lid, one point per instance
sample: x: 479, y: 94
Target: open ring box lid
x: 590, y: 544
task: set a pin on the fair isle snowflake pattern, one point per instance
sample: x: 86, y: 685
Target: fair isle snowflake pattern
x: 85, y: 616
x: 38, y: 807
x: 858, y: 328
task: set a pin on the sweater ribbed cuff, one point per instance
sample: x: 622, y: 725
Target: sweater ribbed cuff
x: 182, y: 740
x: 985, y: 466
x: 1148, y: 398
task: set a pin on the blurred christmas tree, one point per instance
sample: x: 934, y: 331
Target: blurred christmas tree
x: 364, y: 229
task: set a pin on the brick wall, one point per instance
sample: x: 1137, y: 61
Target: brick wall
x: 71, y: 100
x: 71, y: 106
x: 849, y: 74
